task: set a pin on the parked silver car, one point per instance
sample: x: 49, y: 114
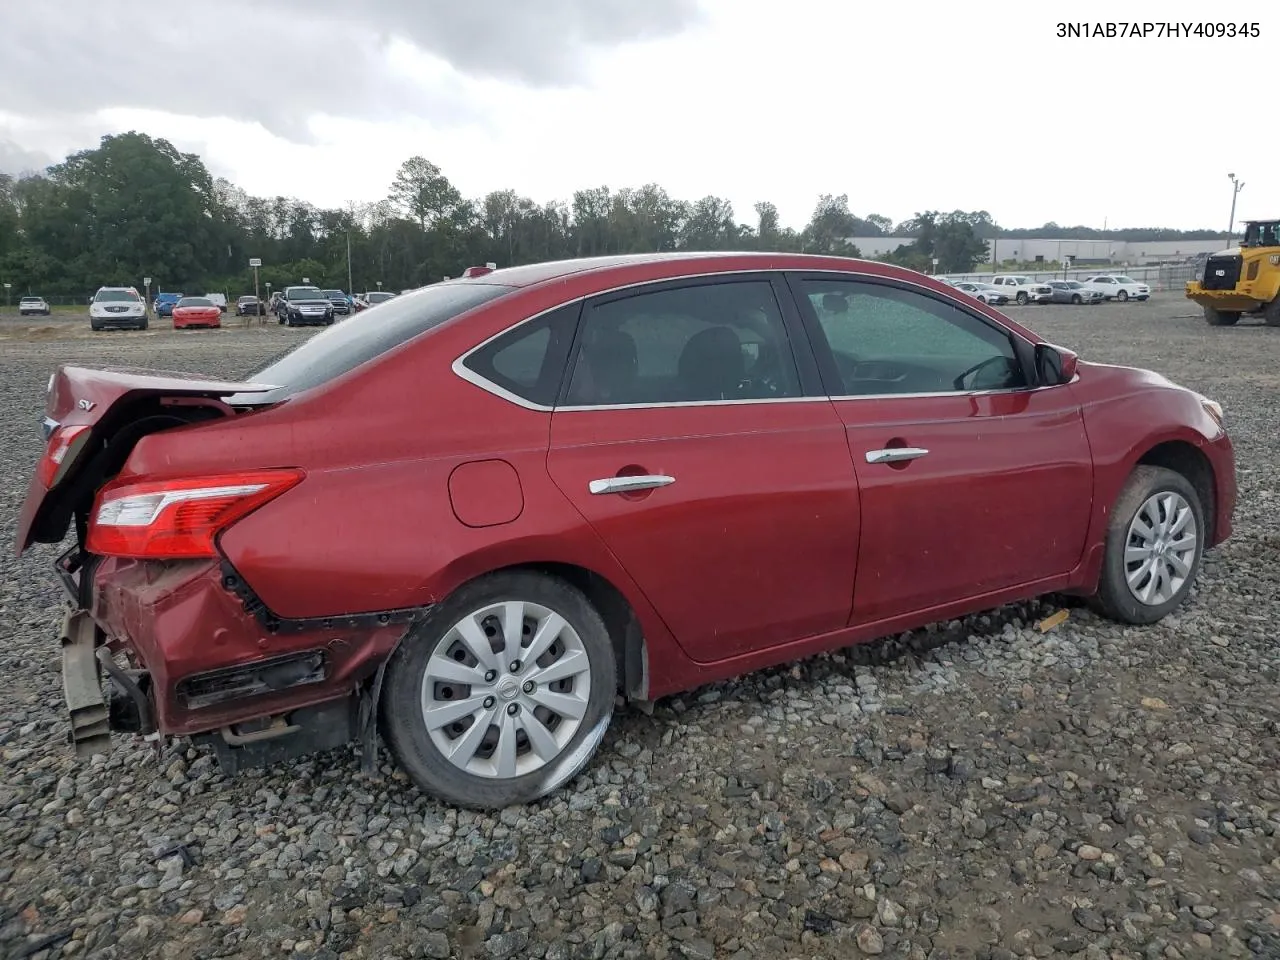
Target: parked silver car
x: 1073, y: 291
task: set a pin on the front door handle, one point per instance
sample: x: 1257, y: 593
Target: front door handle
x: 629, y: 484
x: 895, y: 454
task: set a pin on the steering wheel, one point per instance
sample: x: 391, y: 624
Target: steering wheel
x: 958, y: 383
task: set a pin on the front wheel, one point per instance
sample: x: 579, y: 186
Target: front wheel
x: 1155, y: 541
x: 503, y: 693
x: 1221, y: 318
x: 1022, y: 298
x: 1122, y: 296
x: 1077, y: 299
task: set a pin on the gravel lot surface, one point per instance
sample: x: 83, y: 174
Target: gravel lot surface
x: 981, y: 789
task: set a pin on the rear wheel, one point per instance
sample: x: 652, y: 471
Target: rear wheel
x: 1221, y: 318
x: 1155, y: 541
x: 1271, y: 313
x: 503, y: 694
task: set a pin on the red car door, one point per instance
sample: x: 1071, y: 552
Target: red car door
x: 970, y: 481
x: 720, y: 482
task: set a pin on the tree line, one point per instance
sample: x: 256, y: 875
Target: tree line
x: 136, y: 207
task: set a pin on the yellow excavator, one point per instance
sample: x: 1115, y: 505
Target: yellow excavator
x: 1244, y: 280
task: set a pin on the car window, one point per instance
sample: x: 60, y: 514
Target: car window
x: 365, y: 336
x: 723, y: 340
x: 886, y: 340
x: 115, y: 296
x: 1124, y: 280
x: 529, y: 360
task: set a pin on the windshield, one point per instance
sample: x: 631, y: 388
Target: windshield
x: 380, y: 297
x: 115, y: 296
x: 247, y: 299
x: 29, y: 300
x: 365, y: 336
x: 334, y: 293
x: 1072, y: 284
x: 195, y: 302
x: 304, y: 293
x: 1124, y: 280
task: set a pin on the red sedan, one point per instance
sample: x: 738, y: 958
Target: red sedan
x: 471, y: 518
x: 196, y: 312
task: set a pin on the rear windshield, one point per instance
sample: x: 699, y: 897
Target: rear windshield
x: 115, y: 296
x: 345, y: 346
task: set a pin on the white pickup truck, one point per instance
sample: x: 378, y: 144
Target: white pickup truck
x: 1023, y: 289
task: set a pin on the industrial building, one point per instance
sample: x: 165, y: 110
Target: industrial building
x: 1098, y: 252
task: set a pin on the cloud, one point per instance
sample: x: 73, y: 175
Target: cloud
x: 15, y: 160
x: 280, y: 64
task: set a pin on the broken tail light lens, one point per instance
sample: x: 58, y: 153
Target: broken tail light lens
x: 55, y: 453
x: 180, y: 518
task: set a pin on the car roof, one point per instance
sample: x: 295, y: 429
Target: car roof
x: 533, y: 274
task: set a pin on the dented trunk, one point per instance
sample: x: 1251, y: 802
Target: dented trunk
x: 93, y: 418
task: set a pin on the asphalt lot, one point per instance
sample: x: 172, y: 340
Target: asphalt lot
x: 982, y: 790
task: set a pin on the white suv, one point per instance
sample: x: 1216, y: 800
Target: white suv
x: 1023, y: 289
x: 37, y: 305
x: 1116, y: 286
x: 117, y: 307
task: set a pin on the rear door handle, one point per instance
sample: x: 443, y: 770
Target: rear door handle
x: 629, y: 484
x: 895, y: 454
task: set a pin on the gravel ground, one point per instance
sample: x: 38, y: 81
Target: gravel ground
x: 981, y: 789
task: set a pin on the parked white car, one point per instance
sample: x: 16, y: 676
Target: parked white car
x: 984, y: 292
x: 33, y: 305
x: 1115, y: 286
x: 117, y: 307
x: 219, y: 301
x: 1023, y: 289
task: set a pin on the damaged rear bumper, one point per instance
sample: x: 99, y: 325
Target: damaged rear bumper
x: 199, y: 660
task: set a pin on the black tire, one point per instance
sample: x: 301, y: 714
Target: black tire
x: 95, y: 326
x: 143, y: 325
x: 1271, y: 313
x: 1022, y: 298
x: 1077, y: 299
x: 1113, y: 599
x: 401, y: 717
x: 1123, y: 296
x: 1221, y: 318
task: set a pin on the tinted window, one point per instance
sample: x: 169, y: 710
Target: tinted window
x: 304, y: 293
x: 712, y: 341
x: 529, y: 360
x: 885, y: 340
x: 364, y: 336
x: 195, y: 302
x: 116, y: 296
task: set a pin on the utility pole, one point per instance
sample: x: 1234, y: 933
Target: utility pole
x: 350, y: 285
x: 1236, y: 187
x: 256, y: 262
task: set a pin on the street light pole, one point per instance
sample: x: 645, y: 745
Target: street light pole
x: 1236, y: 187
x: 351, y: 287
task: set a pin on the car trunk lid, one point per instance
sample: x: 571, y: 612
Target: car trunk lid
x: 96, y: 412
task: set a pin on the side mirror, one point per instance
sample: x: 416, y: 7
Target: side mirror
x: 1054, y: 365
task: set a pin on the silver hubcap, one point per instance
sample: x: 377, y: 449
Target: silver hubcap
x: 506, y: 689
x: 1161, y: 548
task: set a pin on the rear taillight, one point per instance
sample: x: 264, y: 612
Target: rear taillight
x: 177, y: 519
x: 55, y: 453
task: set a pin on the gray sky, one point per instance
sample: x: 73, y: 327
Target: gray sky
x: 981, y: 107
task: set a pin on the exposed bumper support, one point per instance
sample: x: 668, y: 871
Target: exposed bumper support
x: 82, y: 685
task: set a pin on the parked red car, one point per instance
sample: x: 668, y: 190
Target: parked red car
x: 196, y: 312
x: 472, y: 517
